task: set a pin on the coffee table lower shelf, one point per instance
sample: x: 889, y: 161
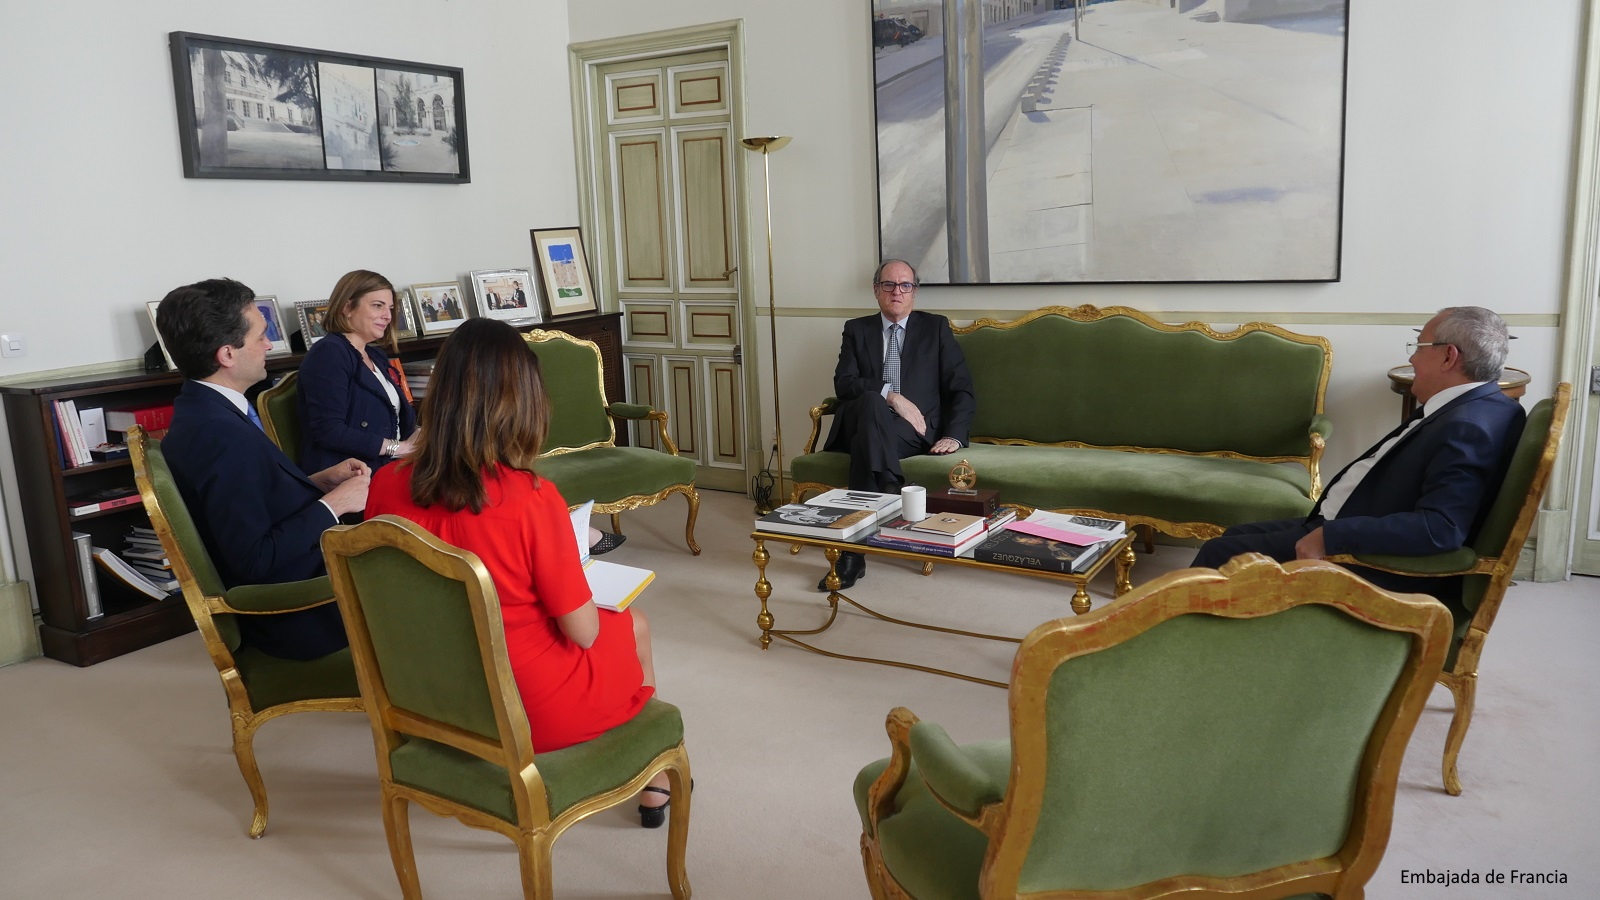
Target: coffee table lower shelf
x: 1121, y: 555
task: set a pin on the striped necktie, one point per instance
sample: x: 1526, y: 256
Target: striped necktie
x: 891, y: 359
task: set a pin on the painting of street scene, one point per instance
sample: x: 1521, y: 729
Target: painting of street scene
x: 417, y: 122
x: 255, y: 110
x: 1124, y: 141
x: 349, y: 117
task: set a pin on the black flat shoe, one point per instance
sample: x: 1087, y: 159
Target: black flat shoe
x: 607, y: 543
x: 852, y: 567
x: 656, y: 816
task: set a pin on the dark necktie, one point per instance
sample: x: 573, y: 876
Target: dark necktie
x: 1415, y: 416
x: 891, y: 359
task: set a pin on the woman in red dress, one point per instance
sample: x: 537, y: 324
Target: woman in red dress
x: 471, y: 482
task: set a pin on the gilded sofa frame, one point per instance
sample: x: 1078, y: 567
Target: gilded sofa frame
x: 1087, y: 313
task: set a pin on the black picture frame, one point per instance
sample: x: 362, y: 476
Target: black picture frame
x: 253, y: 110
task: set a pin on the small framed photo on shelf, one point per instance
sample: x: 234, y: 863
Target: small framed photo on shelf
x: 150, y: 307
x: 405, y: 316
x: 312, y: 313
x: 504, y: 294
x: 564, y: 271
x: 439, y: 307
x: 276, y: 333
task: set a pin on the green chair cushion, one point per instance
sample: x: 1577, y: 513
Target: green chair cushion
x: 933, y: 855
x: 609, y: 474
x: 570, y: 775
x: 1163, y: 486
x: 271, y: 681
x: 279, y: 597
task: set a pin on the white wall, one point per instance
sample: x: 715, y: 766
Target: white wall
x: 1458, y: 153
x: 98, y: 218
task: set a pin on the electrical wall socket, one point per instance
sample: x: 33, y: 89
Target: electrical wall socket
x: 13, y: 345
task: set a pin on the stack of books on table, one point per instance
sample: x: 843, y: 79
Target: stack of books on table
x: 883, y: 506
x: 1053, y: 542
x: 940, y: 534
x: 830, y: 522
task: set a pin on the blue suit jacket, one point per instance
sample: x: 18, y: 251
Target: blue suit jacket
x: 256, y: 511
x: 933, y: 373
x: 343, y: 411
x: 1430, y: 492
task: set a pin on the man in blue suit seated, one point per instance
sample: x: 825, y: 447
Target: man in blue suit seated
x: 1426, y: 487
x: 259, y: 515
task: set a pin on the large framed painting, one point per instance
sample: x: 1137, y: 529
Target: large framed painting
x: 1118, y: 141
x: 253, y: 110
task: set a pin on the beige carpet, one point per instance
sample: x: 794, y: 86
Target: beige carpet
x: 119, y: 781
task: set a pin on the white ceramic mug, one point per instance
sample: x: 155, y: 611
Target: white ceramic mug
x: 913, y: 503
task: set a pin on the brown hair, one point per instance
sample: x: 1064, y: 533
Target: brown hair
x: 352, y: 287
x: 486, y: 409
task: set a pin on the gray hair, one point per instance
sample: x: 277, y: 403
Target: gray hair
x: 878, y: 275
x: 1479, y: 335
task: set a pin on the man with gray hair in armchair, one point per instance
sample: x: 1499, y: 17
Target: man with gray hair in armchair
x: 1426, y: 487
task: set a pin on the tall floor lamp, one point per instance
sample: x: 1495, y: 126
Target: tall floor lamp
x: 768, y: 145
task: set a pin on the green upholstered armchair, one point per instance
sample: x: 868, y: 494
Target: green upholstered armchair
x: 280, y: 414
x: 1211, y: 732
x: 1486, y: 565
x: 581, y: 454
x: 258, y: 687
x: 448, y: 723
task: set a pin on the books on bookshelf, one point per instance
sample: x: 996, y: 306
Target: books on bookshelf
x: 828, y: 522
x: 151, y: 418
x: 102, y: 500
x: 81, y: 542
x: 883, y: 506
x: 128, y: 575
x: 1028, y: 551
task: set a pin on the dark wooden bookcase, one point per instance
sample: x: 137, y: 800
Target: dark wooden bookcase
x: 131, y: 619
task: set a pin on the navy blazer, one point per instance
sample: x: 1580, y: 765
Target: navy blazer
x: 258, y: 514
x: 1431, y: 491
x: 343, y: 411
x: 933, y: 373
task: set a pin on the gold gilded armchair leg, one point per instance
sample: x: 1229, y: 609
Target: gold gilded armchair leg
x: 678, y: 829
x: 533, y: 855
x: 397, y: 826
x: 1464, y: 689
x: 616, y: 523
x: 244, y: 733
x: 694, y: 511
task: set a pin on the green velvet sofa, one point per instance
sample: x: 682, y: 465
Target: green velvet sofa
x: 1109, y: 412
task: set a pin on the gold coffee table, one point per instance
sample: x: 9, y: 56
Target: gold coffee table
x: 1120, y: 554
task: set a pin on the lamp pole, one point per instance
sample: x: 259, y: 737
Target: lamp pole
x: 767, y: 146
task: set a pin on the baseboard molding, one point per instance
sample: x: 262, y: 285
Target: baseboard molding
x: 19, y: 637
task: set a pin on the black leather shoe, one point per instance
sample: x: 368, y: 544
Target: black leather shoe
x: 608, y: 542
x: 852, y: 567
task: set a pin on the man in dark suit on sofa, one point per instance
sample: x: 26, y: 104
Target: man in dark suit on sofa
x: 903, y: 390
x: 259, y: 515
x: 1426, y: 486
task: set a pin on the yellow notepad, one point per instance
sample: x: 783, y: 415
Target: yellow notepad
x: 614, y: 585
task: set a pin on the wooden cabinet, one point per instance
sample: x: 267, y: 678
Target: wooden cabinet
x: 131, y: 620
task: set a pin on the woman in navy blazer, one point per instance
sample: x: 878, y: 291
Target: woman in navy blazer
x: 351, y: 402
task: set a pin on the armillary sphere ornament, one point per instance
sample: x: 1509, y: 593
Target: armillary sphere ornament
x: 963, y: 478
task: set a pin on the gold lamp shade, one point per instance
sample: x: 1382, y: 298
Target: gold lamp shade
x: 766, y: 144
